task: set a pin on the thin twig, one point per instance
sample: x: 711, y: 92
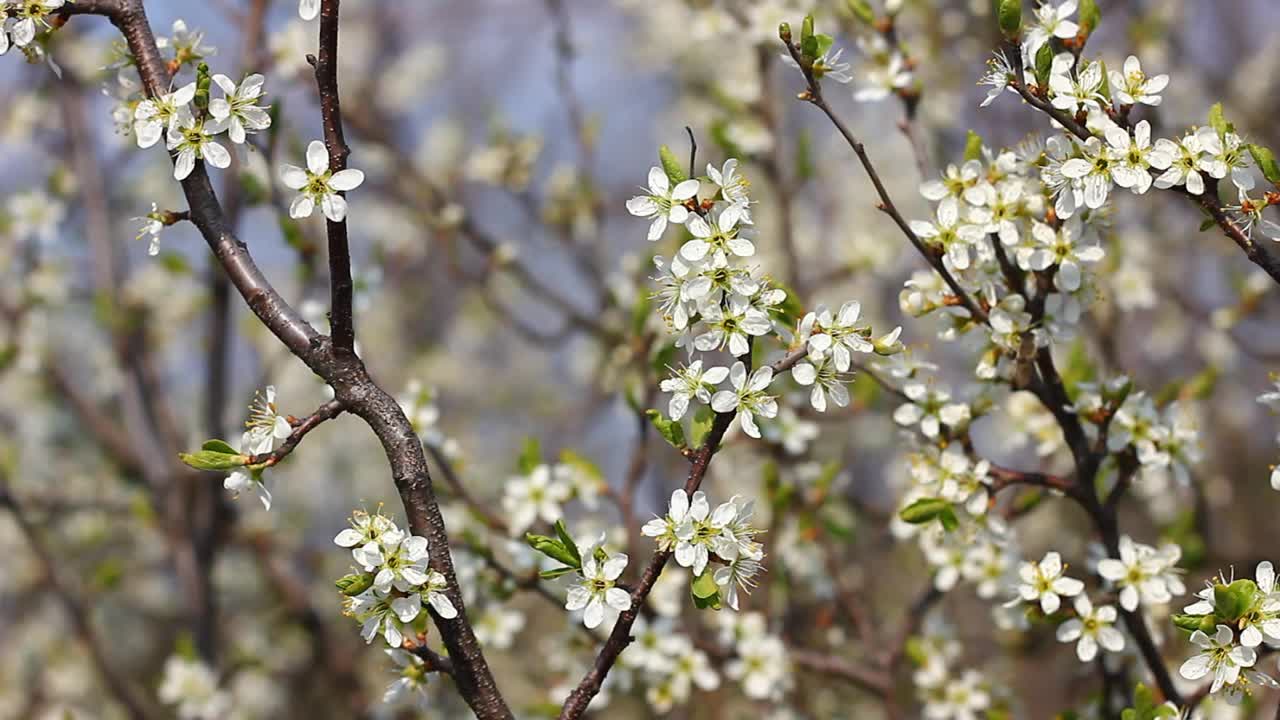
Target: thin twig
x: 341, y: 320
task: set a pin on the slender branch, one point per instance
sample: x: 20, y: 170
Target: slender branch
x: 814, y: 97
x: 876, y: 682
x: 343, y: 371
x: 1208, y: 200
x: 341, y: 318
x: 327, y: 411
x: 620, y: 637
x: 479, y: 509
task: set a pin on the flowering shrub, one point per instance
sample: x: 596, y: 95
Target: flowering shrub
x: 716, y: 470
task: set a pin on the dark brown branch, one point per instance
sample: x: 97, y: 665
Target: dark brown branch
x: 341, y: 320
x: 620, y: 637
x: 343, y: 371
x: 327, y: 411
x: 1004, y: 478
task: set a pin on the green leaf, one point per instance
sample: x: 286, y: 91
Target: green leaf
x: 1266, y: 161
x: 924, y: 510
x: 352, y: 585
x: 861, y: 9
x: 554, y: 573
x: 972, y: 146
x: 211, y: 460
x: 663, y: 357
x: 704, y: 586
x: 1044, y: 64
x: 567, y: 541
x: 720, y: 134
x: 1009, y: 16
x: 789, y: 311
x: 670, y: 430
x: 948, y: 519
x: 671, y: 164
x: 706, y: 594
x: 1230, y: 602
x: 221, y: 446
x: 554, y: 549
x: 1218, y: 121
x: 824, y: 43
x: 175, y: 263
x: 1207, y: 224
x: 711, y: 603
x: 530, y: 456
x: 700, y: 428
x: 1090, y: 16
x: 804, y: 156
x: 806, y: 28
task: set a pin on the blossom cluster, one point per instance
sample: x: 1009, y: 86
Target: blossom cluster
x: 540, y: 494
x: 712, y: 302
x: 21, y: 20
x: 697, y: 535
x: 392, y: 584
x: 1225, y: 607
x: 1119, y: 153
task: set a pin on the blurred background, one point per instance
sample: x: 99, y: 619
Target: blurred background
x: 498, y: 276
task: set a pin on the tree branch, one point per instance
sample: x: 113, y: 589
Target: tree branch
x: 814, y: 97
x: 342, y: 370
x: 620, y: 637
x: 341, y: 318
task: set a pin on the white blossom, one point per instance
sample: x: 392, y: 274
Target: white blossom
x: 319, y: 185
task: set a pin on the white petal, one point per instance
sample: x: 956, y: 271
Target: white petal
x: 317, y: 158
x: 348, y: 179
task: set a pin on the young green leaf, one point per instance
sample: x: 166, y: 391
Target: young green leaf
x: 671, y: 164
x: 1009, y: 15
x: 670, y: 430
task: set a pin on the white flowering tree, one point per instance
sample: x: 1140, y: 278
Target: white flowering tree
x: 679, y: 451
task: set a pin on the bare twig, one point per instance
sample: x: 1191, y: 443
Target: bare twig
x: 340, y: 285
x: 814, y: 97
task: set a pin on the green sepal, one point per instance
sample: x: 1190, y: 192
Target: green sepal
x: 670, y: 430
